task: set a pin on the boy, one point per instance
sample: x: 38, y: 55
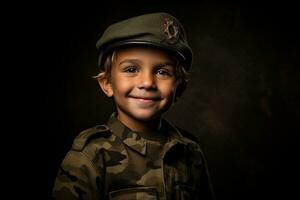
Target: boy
x: 144, y: 63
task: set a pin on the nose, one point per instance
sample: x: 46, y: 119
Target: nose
x: 146, y: 81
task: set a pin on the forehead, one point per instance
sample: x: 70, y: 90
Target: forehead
x: 144, y: 54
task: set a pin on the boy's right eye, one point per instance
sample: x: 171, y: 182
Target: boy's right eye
x: 130, y: 69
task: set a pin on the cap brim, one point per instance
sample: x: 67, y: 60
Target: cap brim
x: 129, y: 43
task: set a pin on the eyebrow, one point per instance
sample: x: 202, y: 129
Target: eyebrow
x: 163, y: 64
x: 130, y: 61
x: 137, y: 61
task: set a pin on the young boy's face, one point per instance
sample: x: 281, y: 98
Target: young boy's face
x: 143, y: 83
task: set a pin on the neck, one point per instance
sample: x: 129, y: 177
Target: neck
x: 138, y: 125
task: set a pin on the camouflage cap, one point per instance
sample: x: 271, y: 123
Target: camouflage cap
x: 160, y: 30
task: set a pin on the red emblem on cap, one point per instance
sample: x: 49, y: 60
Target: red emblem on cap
x: 170, y: 29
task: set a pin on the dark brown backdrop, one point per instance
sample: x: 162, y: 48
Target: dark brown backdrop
x: 242, y: 102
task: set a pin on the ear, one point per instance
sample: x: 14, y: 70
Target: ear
x: 106, y: 86
x: 179, y: 90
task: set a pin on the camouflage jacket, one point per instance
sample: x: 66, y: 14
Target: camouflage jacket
x: 108, y: 162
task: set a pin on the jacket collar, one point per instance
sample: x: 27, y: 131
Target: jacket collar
x: 130, y: 138
x: 138, y: 143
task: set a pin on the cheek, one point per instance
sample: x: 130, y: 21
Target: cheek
x: 121, y: 84
x: 168, y: 88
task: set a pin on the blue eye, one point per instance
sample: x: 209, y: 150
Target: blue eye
x: 130, y: 70
x: 163, y: 72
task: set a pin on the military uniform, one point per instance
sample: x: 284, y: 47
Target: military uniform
x: 112, y: 162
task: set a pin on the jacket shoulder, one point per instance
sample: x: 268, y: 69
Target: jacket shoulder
x: 84, y: 137
x: 190, y: 139
x: 187, y: 135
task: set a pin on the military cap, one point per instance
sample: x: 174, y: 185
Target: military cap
x: 159, y: 30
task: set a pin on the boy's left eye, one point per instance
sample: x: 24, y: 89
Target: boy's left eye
x: 163, y: 72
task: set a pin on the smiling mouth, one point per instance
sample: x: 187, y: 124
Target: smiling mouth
x: 145, y: 100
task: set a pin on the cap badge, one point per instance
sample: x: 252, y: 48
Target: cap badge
x: 170, y: 29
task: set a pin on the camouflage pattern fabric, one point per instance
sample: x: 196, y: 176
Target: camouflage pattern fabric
x: 112, y: 162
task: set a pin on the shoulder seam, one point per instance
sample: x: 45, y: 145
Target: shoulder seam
x: 84, y: 136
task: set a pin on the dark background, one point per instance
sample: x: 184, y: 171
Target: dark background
x: 242, y: 102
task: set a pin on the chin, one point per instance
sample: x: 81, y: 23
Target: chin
x: 145, y: 115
